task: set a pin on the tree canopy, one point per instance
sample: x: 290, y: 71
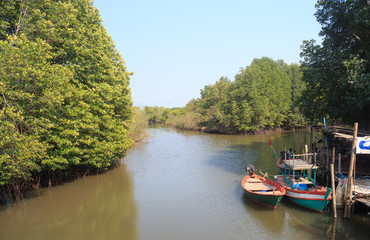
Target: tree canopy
x: 64, y: 92
x: 337, y: 72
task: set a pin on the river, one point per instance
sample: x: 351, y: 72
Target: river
x: 175, y: 185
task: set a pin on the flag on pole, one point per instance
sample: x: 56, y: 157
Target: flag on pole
x: 270, y: 143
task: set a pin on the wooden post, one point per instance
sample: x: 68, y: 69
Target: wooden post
x: 285, y: 153
x: 348, y: 203
x: 339, y: 162
x: 315, y: 157
x: 306, y: 151
x: 311, y: 150
x: 314, y: 146
x: 333, y: 190
x: 334, y: 228
x: 327, y: 161
x: 327, y: 169
x: 354, y: 173
x: 333, y: 156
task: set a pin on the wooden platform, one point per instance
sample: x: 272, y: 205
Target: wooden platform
x: 366, y: 202
x: 299, y: 164
x: 303, y: 180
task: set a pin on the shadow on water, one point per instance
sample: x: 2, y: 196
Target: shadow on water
x: 95, y: 207
x: 235, y: 158
x: 306, y: 220
x: 271, y: 220
x: 239, y: 151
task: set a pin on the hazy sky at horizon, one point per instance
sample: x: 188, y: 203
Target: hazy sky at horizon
x: 175, y: 48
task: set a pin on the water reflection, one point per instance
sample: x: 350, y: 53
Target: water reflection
x: 272, y: 220
x: 96, y: 207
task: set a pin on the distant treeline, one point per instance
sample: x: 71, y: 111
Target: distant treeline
x: 262, y: 97
x: 332, y: 81
x: 65, y: 99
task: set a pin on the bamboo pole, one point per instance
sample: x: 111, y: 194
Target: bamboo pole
x: 333, y: 190
x: 306, y: 151
x: 285, y: 153
x: 339, y: 162
x: 327, y: 169
x: 354, y: 173
x: 333, y: 156
x: 348, y: 203
x: 327, y: 161
x: 314, y: 145
x: 311, y: 141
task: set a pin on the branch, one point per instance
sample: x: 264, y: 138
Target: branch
x: 21, y: 15
x: 5, y: 102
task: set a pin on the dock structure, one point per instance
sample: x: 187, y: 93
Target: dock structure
x: 335, y: 148
x: 347, y: 160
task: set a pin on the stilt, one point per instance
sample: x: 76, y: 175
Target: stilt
x: 339, y: 162
x: 306, y: 153
x: 333, y: 190
x: 348, y: 202
x: 311, y: 137
x: 333, y: 156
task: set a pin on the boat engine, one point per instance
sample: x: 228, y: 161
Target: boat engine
x: 250, y: 169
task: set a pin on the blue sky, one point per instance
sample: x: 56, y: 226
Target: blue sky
x: 175, y: 48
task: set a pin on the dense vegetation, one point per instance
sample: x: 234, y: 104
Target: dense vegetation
x: 64, y: 93
x: 337, y: 72
x: 262, y: 97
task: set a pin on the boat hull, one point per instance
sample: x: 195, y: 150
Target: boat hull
x: 315, y: 198
x: 317, y: 205
x: 269, y: 198
x: 265, y: 200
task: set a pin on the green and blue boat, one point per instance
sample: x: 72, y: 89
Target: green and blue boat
x: 300, y: 187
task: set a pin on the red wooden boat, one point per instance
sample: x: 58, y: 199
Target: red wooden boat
x: 262, y: 190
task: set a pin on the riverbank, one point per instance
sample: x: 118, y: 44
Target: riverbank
x: 15, y: 191
x: 230, y: 132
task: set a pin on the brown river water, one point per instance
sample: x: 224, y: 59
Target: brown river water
x: 176, y: 185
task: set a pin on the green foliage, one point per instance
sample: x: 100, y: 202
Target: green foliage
x: 337, y: 72
x: 139, y: 124
x: 183, y: 118
x: 11, y: 12
x: 31, y: 89
x: 210, y: 105
x: 65, y: 92
x: 263, y: 91
x: 157, y: 114
x: 263, y: 96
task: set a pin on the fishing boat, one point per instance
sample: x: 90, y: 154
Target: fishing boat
x: 262, y: 190
x: 300, y: 187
